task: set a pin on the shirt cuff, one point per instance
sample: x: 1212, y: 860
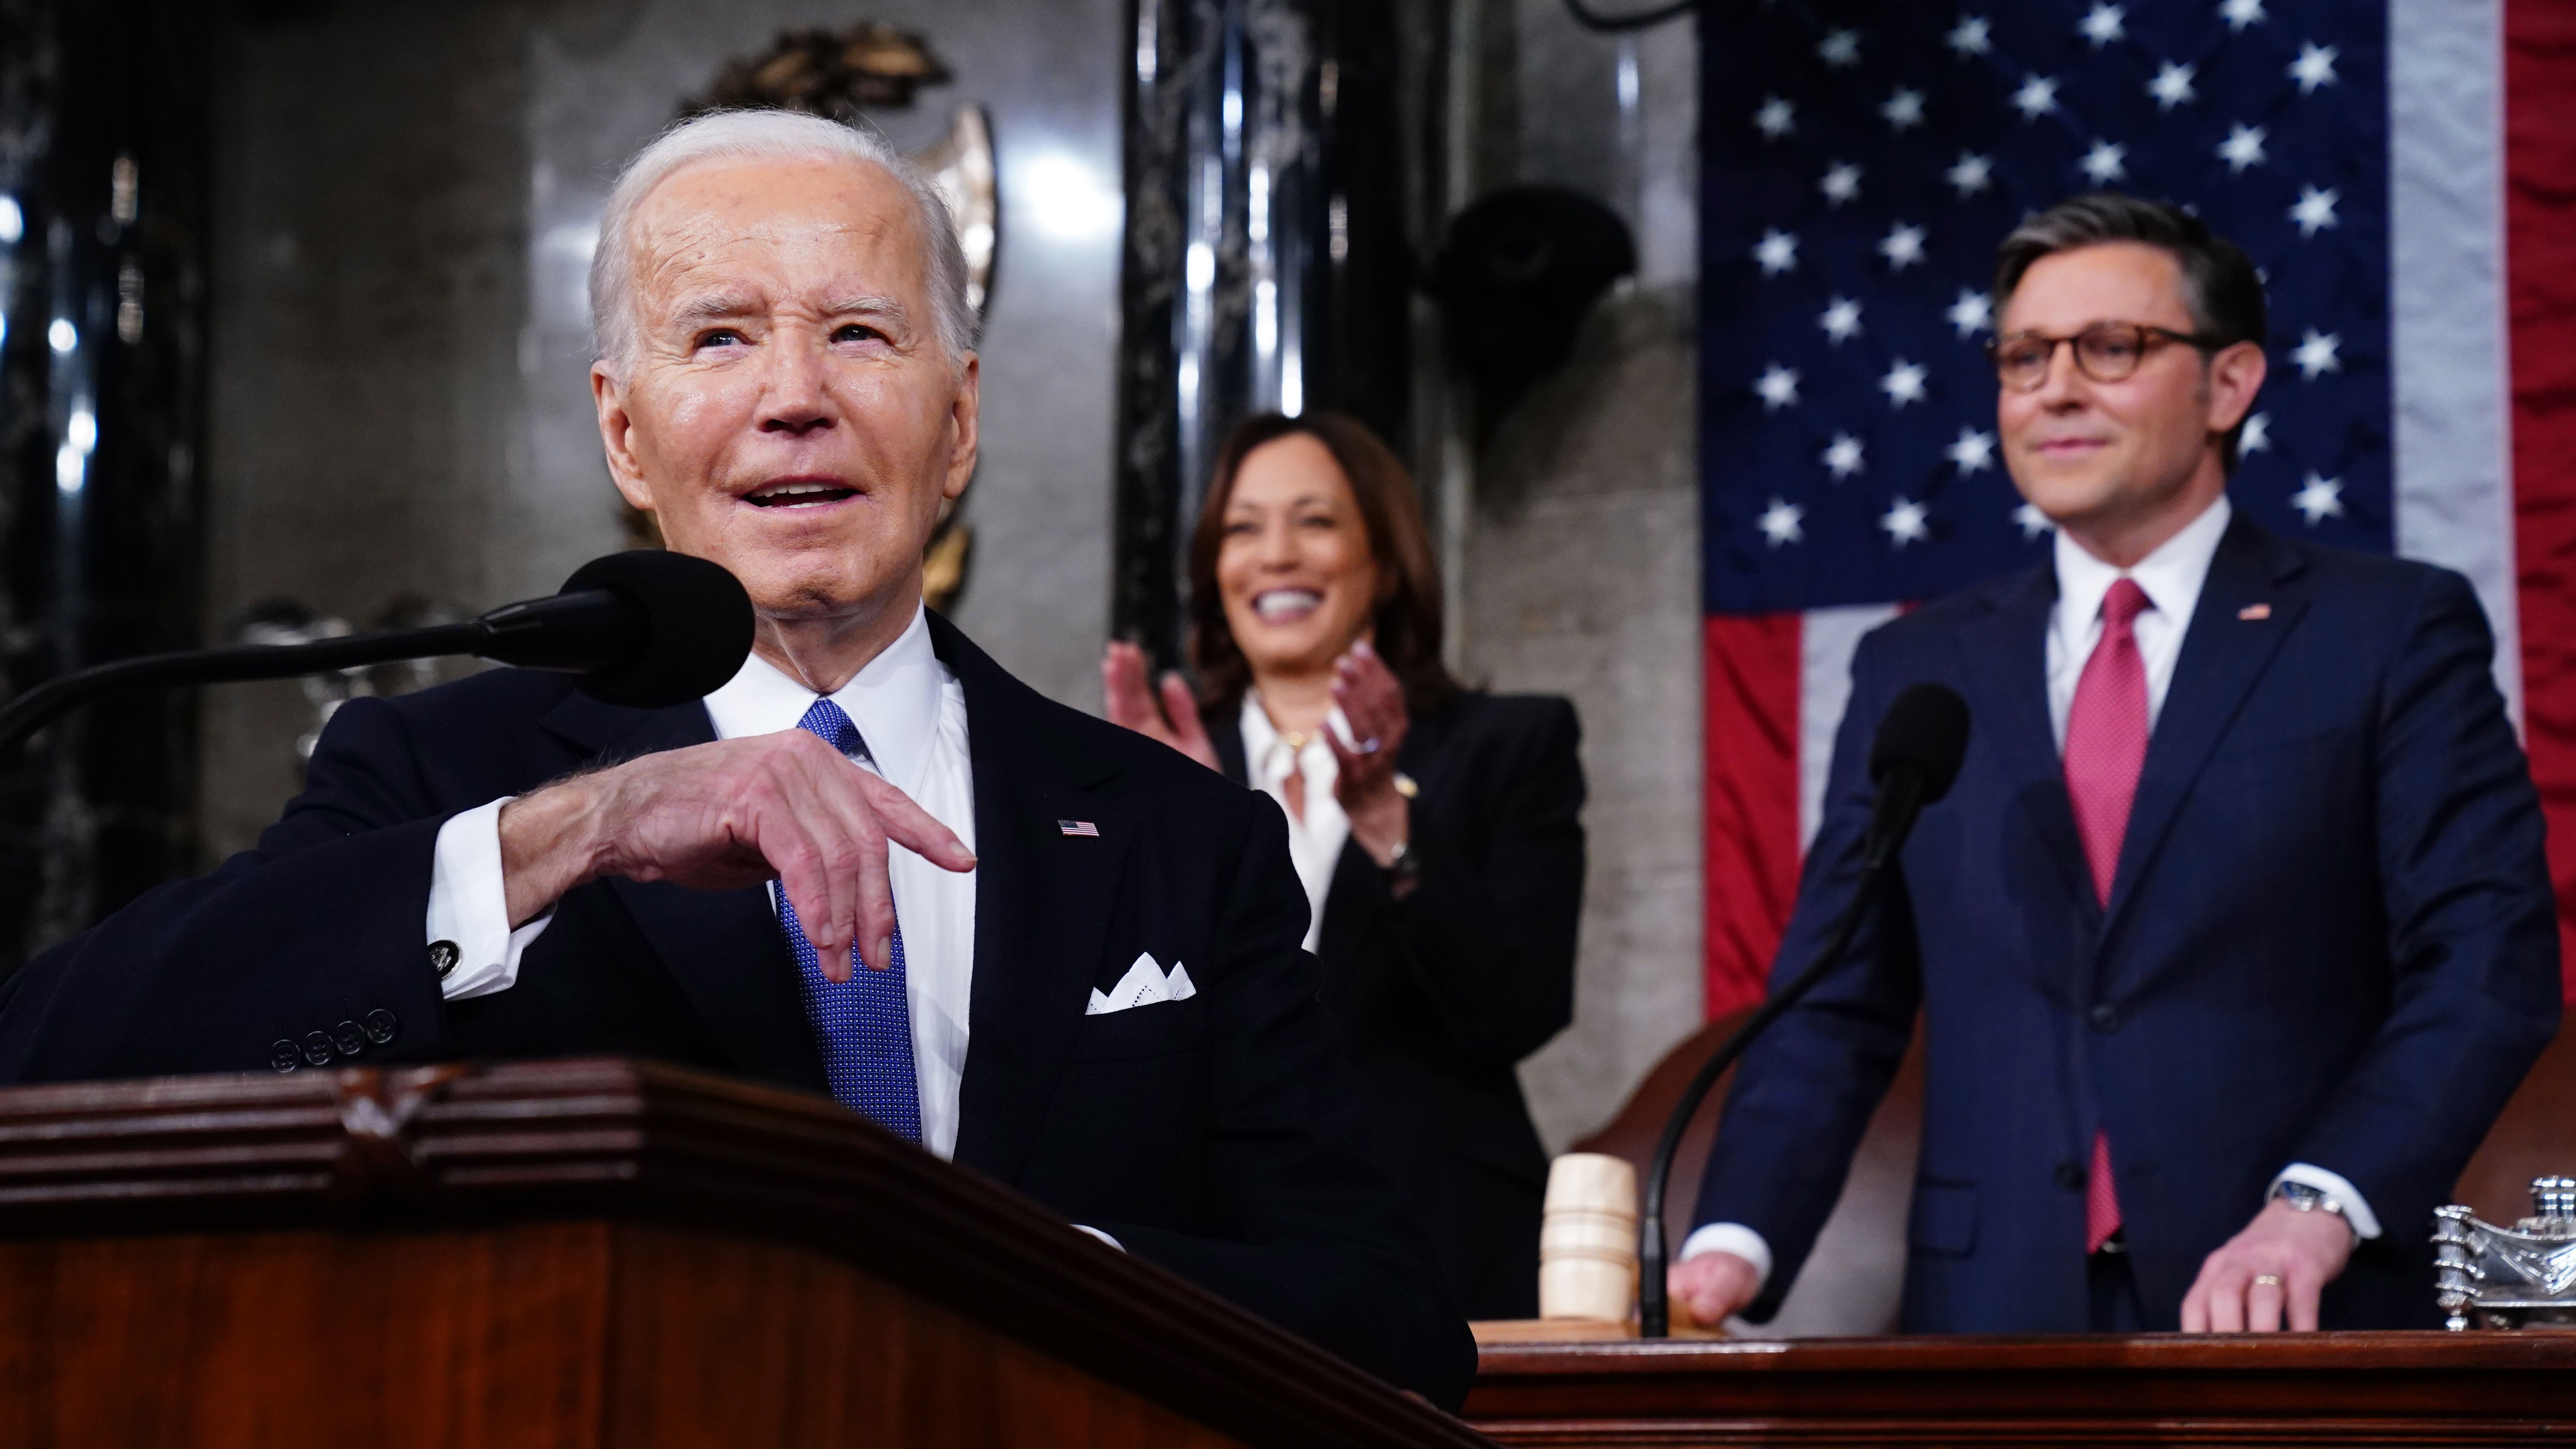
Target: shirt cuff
x: 469, y: 907
x: 1734, y: 1238
x: 1097, y: 1233
x: 2356, y: 1210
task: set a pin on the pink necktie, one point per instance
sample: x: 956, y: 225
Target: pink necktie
x: 2106, y: 747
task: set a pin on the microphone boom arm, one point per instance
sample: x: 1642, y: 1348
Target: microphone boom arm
x: 31, y: 711
x: 1902, y: 801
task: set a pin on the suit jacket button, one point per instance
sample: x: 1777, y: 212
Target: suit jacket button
x: 285, y: 1055
x: 381, y: 1026
x: 2070, y: 1176
x: 2104, y: 1018
x: 348, y: 1039
x: 317, y: 1049
x: 443, y: 955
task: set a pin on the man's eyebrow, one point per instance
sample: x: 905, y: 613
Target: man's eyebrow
x: 866, y: 305
x: 710, y: 306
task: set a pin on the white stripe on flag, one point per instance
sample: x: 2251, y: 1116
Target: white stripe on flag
x: 1827, y: 638
x: 2454, y: 442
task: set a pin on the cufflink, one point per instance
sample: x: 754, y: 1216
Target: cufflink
x: 443, y: 957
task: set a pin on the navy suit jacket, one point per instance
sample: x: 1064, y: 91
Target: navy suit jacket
x: 2331, y: 939
x: 1216, y: 1136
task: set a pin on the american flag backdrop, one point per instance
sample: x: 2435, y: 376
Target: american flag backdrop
x: 2403, y: 173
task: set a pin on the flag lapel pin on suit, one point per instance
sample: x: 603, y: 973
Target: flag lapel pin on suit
x: 1078, y: 827
x: 2255, y: 611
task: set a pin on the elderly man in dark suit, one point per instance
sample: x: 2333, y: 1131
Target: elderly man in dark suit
x: 2235, y: 933
x: 873, y: 864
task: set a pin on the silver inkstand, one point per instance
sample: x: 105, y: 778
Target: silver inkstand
x: 2523, y: 1276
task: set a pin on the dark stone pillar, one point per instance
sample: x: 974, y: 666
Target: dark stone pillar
x: 102, y: 275
x: 1266, y: 266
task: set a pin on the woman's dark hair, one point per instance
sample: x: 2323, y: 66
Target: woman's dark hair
x: 1407, y: 617
x: 2220, y: 287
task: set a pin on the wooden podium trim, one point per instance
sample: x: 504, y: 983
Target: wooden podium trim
x: 2312, y: 1388
x: 450, y: 1147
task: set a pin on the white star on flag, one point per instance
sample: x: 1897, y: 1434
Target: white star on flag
x: 1840, y: 49
x: 2316, y: 353
x: 1902, y: 246
x: 1842, y: 455
x: 1904, y: 110
x: 1780, y: 522
x: 2313, y: 68
x: 2315, y: 211
x: 1972, y: 173
x: 1776, y: 118
x: 1841, y: 183
x: 1778, y: 387
x: 2172, y: 85
x: 1906, y: 521
x: 2036, y: 97
x: 2240, y: 13
x: 2319, y: 499
x: 2103, y: 24
x: 1841, y: 320
x: 1973, y: 312
x: 2257, y: 436
x: 1971, y: 36
x: 2105, y: 163
x: 1974, y: 452
x: 2242, y: 148
x: 1777, y: 252
x: 2033, y: 522
x: 1904, y: 383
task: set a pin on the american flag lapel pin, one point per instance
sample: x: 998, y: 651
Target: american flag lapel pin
x: 2253, y: 612
x: 1078, y: 827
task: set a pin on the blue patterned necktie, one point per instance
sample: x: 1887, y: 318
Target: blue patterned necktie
x: 863, y: 1025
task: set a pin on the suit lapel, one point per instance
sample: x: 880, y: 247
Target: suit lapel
x: 722, y: 947
x: 2223, y: 653
x: 1042, y: 907
x: 2007, y: 656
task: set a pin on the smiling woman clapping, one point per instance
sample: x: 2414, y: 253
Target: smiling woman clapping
x: 1435, y: 827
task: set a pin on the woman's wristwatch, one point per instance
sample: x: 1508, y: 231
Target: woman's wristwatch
x: 1403, y: 868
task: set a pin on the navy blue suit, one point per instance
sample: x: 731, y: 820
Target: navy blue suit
x: 1216, y: 1136
x: 2330, y: 940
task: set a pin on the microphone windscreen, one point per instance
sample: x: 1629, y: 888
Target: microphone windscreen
x: 698, y: 627
x: 1925, y: 730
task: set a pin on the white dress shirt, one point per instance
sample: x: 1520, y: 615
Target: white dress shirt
x: 2171, y: 577
x: 1316, y: 837
x: 912, y: 713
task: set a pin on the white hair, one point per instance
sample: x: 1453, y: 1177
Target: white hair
x: 763, y: 136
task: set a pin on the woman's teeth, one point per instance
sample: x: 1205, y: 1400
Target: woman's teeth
x: 1281, y: 603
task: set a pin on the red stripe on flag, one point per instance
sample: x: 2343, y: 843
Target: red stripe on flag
x: 1750, y: 671
x: 2540, y: 272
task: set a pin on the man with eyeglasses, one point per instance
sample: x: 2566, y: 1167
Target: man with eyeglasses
x: 2235, y: 933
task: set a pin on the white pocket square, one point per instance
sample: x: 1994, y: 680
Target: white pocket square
x: 1143, y: 985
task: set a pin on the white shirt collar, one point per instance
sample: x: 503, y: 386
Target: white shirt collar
x: 894, y: 700
x: 2171, y: 576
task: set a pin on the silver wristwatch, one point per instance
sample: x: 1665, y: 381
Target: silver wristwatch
x: 2310, y: 1199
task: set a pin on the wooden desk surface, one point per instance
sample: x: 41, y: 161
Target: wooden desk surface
x: 2307, y: 1389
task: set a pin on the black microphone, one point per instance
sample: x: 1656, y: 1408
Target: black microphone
x: 1914, y: 760
x: 647, y: 629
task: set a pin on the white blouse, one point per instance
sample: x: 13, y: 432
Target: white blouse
x: 1315, y: 841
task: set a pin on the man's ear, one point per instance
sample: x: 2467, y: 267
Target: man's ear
x: 616, y: 431
x: 2235, y: 376
x: 964, y: 415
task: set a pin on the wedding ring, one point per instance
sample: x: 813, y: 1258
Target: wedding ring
x: 2272, y: 1278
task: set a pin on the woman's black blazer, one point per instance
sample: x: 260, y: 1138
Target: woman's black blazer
x: 1444, y: 992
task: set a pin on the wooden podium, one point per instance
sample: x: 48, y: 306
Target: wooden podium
x: 590, y: 1252
x: 2076, y: 1391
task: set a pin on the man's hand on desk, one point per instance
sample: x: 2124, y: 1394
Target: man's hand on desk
x: 2276, y: 1267
x: 731, y: 814
x: 1712, y: 1287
